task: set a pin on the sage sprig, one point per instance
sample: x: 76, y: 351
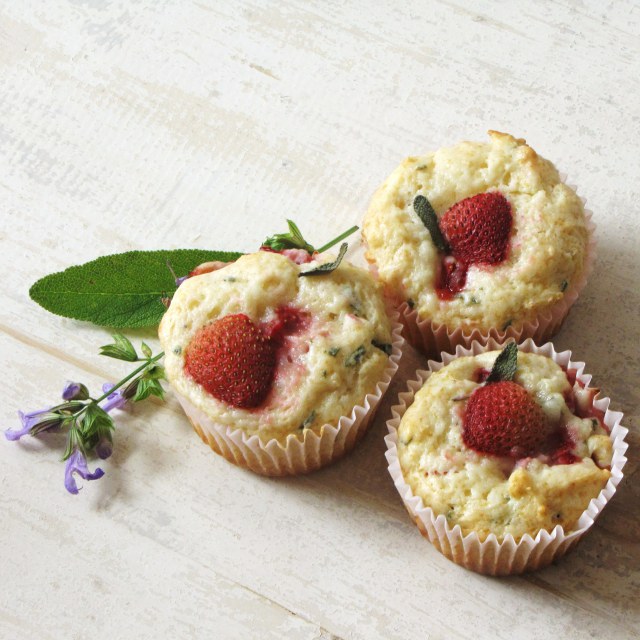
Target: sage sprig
x: 129, y: 289
x: 295, y: 240
x: 87, y: 419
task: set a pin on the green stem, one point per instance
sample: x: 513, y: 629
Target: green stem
x: 342, y: 236
x: 131, y: 375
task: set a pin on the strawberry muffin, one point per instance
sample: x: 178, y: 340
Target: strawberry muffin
x: 479, y: 240
x: 501, y: 451
x: 279, y: 365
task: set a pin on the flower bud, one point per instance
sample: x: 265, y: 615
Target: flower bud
x: 130, y: 390
x: 75, y: 391
x: 115, y: 400
x: 104, y: 448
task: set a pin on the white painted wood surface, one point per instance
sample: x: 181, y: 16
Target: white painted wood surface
x: 205, y: 124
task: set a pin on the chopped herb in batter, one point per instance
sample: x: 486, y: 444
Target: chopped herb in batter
x: 355, y: 357
x: 308, y: 420
x: 383, y: 346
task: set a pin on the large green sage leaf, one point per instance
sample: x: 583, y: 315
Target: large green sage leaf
x: 123, y: 290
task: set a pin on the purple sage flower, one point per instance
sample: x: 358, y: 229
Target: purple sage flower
x: 29, y: 420
x: 74, y: 391
x: 104, y: 448
x: 114, y: 400
x: 77, y: 463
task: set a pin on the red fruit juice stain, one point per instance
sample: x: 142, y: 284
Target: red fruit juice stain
x: 560, y: 448
x: 451, y: 278
x: 288, y: 321
x: 481, y: 374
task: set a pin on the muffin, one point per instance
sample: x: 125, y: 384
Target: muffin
x: 278, y: 371
x: 479, y: 240
x: 505, y: 468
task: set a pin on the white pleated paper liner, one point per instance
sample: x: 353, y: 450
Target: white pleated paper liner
x: 509, y: 556
x: 432, y: 338
x: 299, y: 453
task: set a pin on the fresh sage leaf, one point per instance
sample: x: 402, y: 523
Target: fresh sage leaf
x: 504, y: 368
x: 121, y: 349
x: 123, y: 290
x: 327, y: 267
x: 146, y: 350
x: 148, y: 387
x: 292, y: 240
x: 429, y: 219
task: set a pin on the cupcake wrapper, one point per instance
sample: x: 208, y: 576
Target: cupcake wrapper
x: 491, y: 556
x: 432, y: 338
x: 302, y: 453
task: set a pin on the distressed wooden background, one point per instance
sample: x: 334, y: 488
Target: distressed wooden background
x: 127, y: 125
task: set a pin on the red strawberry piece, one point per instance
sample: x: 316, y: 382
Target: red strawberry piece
x: 233, y: 360
x: 502, y: 419
x: 478, y: 228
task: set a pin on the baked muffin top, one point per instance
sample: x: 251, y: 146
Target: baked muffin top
x: 332, y: 350
x: 547, y: 243
x: 504, y: 494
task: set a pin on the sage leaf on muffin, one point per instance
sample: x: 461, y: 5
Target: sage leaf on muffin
x: 427, y: 215
x: 504, y: 368
x: 327, y: 267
